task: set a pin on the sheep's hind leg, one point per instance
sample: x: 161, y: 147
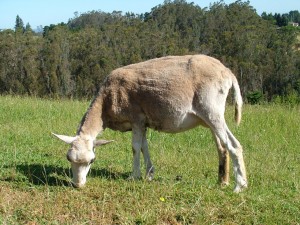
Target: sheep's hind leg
x: 223, y: 162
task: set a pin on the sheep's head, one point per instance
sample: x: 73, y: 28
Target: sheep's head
x: 81, y: 155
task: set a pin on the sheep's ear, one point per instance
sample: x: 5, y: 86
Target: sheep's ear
x: 64, y: 138
x: 101, y: 142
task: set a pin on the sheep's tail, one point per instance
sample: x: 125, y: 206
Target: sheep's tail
x: 237, y: 99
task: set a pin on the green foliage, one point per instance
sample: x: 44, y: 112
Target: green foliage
x: 282, y: 19
x: 19, y: 27
x: 292, y: 99
x: 35, y: 174
x: 71, y: 60
x: 254, y: 97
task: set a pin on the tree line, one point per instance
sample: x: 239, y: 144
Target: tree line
x: 71, y: 59
x: 282, y: 19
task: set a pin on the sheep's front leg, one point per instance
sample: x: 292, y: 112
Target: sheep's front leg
x: 137, y: 138
x: 147, y: 160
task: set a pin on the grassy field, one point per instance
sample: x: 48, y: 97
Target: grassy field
x: 34, y: 172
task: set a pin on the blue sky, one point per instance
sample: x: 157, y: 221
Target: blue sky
x: 46, y: 12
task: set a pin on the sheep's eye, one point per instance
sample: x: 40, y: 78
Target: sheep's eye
x: 93, y: 160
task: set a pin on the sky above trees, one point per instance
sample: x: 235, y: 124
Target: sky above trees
x: 36, y: 12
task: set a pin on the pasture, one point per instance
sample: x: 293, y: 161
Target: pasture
x: 35, y: 175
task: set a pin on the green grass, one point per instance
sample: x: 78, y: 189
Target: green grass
x: 34, y: 172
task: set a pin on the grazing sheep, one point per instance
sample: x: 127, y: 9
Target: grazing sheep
x: 169, y: 94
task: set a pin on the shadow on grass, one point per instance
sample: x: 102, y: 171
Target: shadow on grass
x: 38, y: 174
